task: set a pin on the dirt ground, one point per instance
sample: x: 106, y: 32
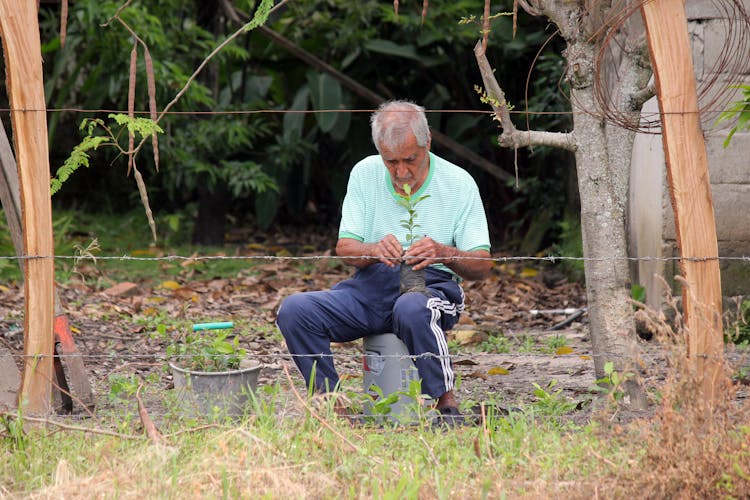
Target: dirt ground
x: 114, y: 328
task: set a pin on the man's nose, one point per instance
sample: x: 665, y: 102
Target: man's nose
x: 401, y: 170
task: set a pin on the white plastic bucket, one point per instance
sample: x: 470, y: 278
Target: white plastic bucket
x: 388, y: 365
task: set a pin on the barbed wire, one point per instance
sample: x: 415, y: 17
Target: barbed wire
x: 457, y: 358
x: 526, y: 112
x: 498, y: 259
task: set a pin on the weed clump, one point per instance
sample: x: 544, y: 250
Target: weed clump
x: 694, y: 448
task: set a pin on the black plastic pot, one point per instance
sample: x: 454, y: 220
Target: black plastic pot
x: 411, y: 280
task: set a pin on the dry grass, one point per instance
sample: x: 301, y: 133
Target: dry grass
x: 692, y: 448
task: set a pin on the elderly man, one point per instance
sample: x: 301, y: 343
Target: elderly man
x: 455, y: 246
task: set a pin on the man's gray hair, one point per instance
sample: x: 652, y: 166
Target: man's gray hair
x: 393, y: 120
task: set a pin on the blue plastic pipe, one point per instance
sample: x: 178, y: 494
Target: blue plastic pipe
x: 213, y: 326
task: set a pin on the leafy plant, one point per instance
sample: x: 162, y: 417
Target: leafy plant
x: 552, y: 344
x: 527, y: 343
x: 495, y: 343
x: 550, y: 401
x: 12, y: 429
x: 740, y: 111
x: 379, y: 404
x: 410, y: 204
x: 611, y: 383
x: 140, y: 127
x: 207, y: 351
x: 122, y: 387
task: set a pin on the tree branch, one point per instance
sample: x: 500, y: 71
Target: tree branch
x: 638, y: 99
x: 510, y: 136
x: 530, y: 9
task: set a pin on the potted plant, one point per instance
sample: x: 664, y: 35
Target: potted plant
x: 411, y: 281
x: 211, y: 372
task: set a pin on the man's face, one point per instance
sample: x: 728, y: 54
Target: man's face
x: 407, y: 164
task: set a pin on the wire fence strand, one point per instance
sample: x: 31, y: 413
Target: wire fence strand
x: 498, y: 259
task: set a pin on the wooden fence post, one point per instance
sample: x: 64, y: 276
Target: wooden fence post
x: 689, y: 187
x: 23, y: 62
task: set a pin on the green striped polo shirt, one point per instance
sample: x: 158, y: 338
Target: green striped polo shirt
x: 453, y: 213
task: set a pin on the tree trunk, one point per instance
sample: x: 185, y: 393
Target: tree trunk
x: 603, y: 186
x: 212, y: 211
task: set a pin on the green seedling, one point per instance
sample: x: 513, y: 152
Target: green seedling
x: 550, y: 401
x: 207, y: 351
x: 611, y: 383
x: 410, y: 204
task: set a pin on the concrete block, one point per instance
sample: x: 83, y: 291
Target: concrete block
x: 704, y: 9
x: 730, y: 165
x: 700, y: 9
x: 715, y: 94
x: 719, y: 50
x: 695, y: 33
x: 731, y: 209
x: 735, y: 273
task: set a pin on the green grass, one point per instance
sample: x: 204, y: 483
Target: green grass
x: 281, y: 450
x: 265, y: 455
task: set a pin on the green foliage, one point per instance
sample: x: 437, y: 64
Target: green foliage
x: 739, y: 111
x: 554, y: 343
x: 13, y: 431
x: 306, y: 155
x: 638, y: 293
x: 495, y: 343
x: 137, y: 126
x: 527, y: 343
x: 611, y: 383
x: 122, y: 387
x: 571, y: 246
x: 410, y: 204
x: 207, y: 351
x: 78, y: 157
x: 219, y: 151
x: 380, y: 404
x: 551, y: 401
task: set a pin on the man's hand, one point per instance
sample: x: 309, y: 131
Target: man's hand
x: 388, y: 251
x: 427, y: 251
x: 424, y: 252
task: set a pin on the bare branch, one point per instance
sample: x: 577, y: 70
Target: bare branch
x: 637, y: 99
x: 60, y: 425
x: 148, y: 425
x: 530, y: 9
x: 524, y: 138
x: 486, y: 25
x: 495, y: 93
x: 63, y: 23
x: 510, y: 136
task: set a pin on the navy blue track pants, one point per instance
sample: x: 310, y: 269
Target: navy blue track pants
x: 369, y: 303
